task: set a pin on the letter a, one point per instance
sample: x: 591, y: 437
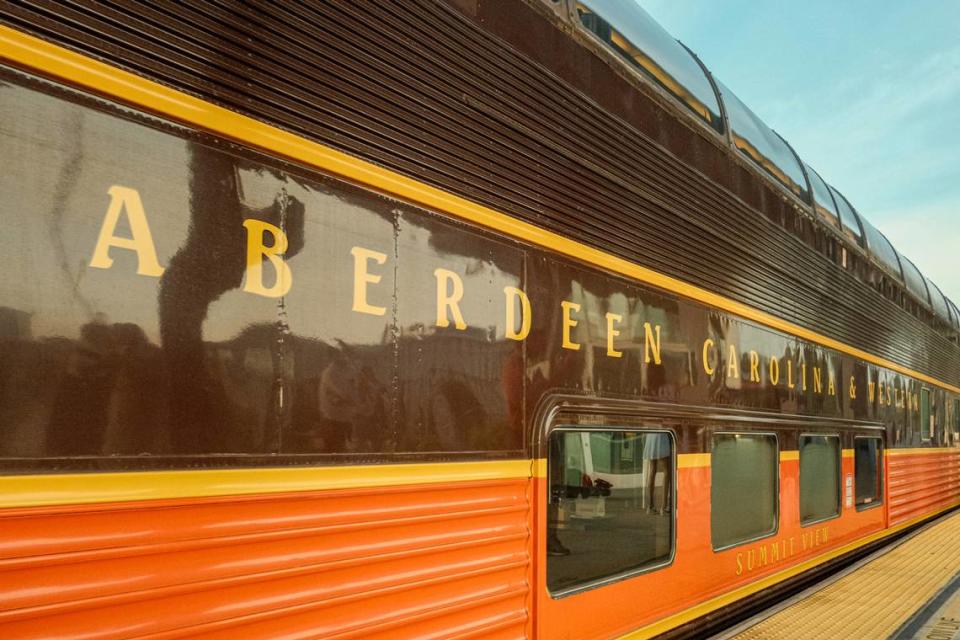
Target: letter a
x: 141, y: 242
x: 257, y: 251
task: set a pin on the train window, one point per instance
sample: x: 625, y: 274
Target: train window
x: 849, y: 221
x: 819, y: 478
x: 914, y: 280
x: 744, y: 492
x: 926, y: 417
x: 880, y: 248
x: 633, y: 35
x: 763, y: 146
x: 939, y: 303
x: 610, y: 513
x: 822, y: 200
x: 868, y: 469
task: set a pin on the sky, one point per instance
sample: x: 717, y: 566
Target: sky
x: 867, y: 92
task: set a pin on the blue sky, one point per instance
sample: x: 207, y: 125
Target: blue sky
x: 868, y: 93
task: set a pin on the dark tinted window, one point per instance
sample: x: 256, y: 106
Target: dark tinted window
x: 926, y: 417
x: 868, y: 468
x: 743, y: 488
x: 762, y: 145
x: 848, y: 218
x: 635, y: 36
x: 939, y: 302
x: 914, y: 279
x: 823, y: 201
x: 880, y: 248
x: 611, y: 505
x: 819, y: 478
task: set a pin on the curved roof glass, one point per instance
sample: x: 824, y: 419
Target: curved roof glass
x: 939, y: 302
x: 822, y: 200
x: 761, y: 144
x: 880, y: 248
x: 634, y: 35
x: 914, y: 279
x: 956, y: 314
x: 849, y: 220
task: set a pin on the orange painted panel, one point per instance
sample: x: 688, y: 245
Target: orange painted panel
x: 921, y: 483
x: 417, y: 561
x: 697, y: 573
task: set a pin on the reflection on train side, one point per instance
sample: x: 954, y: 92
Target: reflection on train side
x: 97, y: 360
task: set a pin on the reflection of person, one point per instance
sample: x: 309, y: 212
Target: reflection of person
x: 656, y: 450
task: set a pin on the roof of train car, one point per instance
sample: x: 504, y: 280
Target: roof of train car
x: 636, y: 36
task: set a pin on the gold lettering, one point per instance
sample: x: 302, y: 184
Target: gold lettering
x: 733, y: 364
x: 613, y: 333
x: 817, y: 380
x: 739, y: 563
x: 775, y: 552
x: 651, y: 345
x: 871, y: 390
x: 513, y: 295
x: 826, y: 532
x: 362, y: 277
x: 754, y: 367
x: 803, y: 375
x: 831, y: 387
x: 751, y: 558
x: 141, y: 240
x: 774, y: 370
x: 449, y: 301
x: 888, y: 394
x: 257, y: 251
x: 790, y: 383
x: 763, y: 556
x: 569, y: 323
x: 707, y: 350
x: 853, y: 388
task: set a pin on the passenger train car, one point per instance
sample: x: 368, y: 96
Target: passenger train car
x: 426, y: 319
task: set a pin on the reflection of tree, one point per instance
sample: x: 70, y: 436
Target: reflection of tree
x: 72, y: 140
x: 211, y: 262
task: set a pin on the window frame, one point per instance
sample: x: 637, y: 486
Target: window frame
x: 560, y: 427
x: 777, y: 507
x: 839, y: 513
x: 881, y: 497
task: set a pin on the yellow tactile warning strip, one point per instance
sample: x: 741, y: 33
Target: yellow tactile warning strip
x: 878, y: 598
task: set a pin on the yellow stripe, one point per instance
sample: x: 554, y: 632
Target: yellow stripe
x: 847, y: 453
x: 923, y: 451
x: 51, y: 60
x: 693, y: 460
x: 787, y: 456
x: 540, y: 468
x: 700, y: 610
x: 91, y: 488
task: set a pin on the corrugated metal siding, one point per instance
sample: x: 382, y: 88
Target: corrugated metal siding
x: 416, y: 87
x: 446, y: 561
x: 920, y: 484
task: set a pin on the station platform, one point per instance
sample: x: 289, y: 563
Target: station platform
x: 911, y: 590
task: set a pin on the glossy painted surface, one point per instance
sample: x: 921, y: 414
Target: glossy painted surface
x: 380, y: 563
x: 921, y: 481
x: 383, y: 330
